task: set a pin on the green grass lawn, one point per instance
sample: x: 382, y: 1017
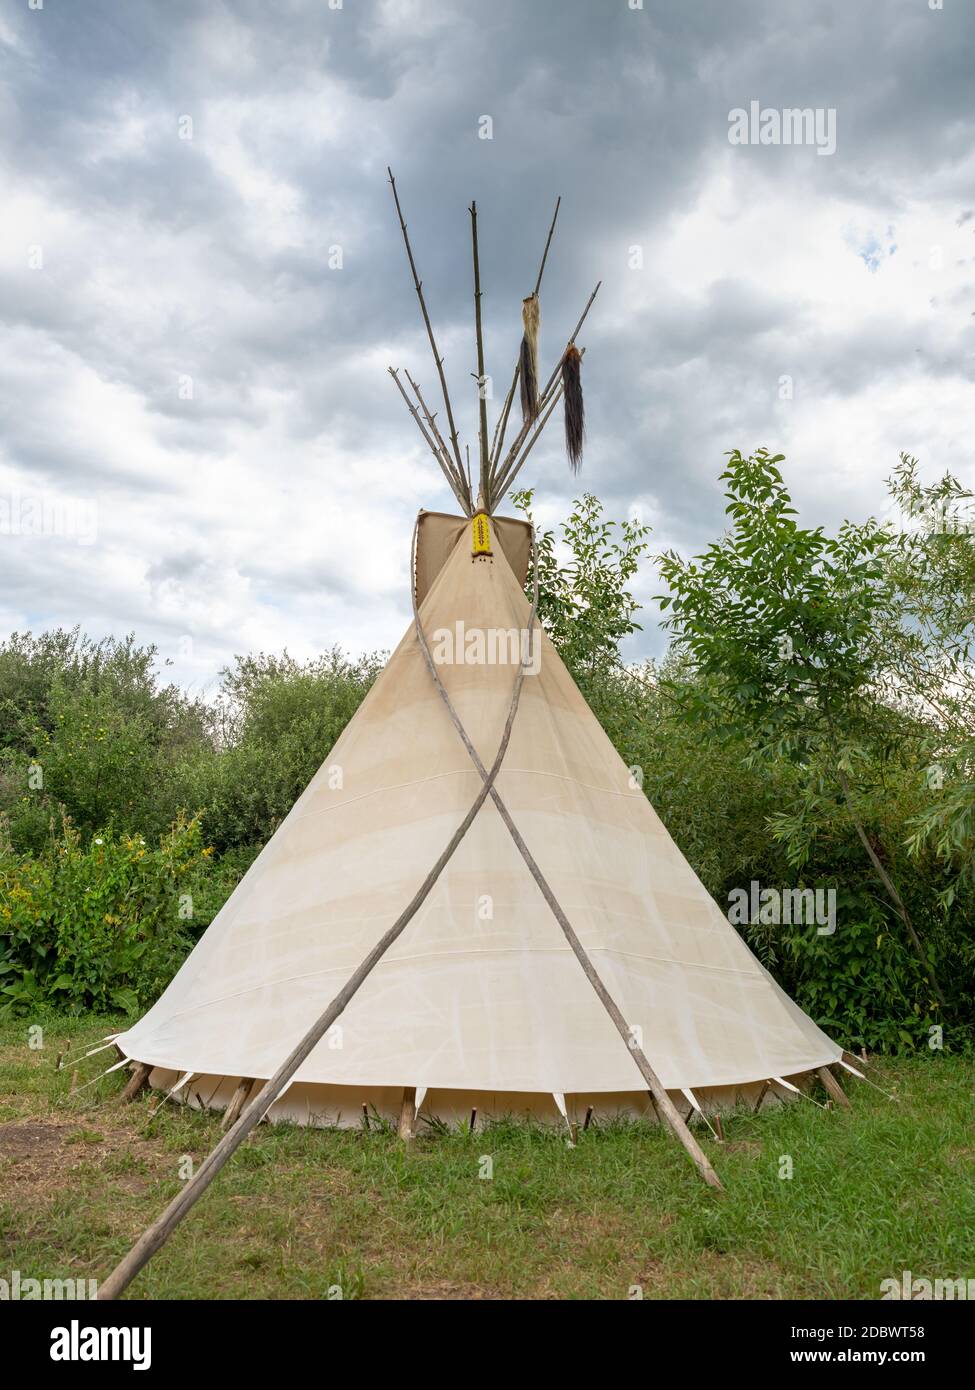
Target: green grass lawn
x: 876, y: 1190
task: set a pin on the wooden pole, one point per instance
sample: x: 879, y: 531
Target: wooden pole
x: 498, y: 442
x: 237, y: 1100
x: 161, y: 1229
x: 660, y: 1095
x: 442, y: 459
x: 507, y: 481
x: 417, y: 285
x: 407, y: 1115
x: 470, y: 485
x: 137, y: 1083
x: 833, y: 1088
x: 481, y: 401
x: 503, y: 484
x: 548, y: 243
x: 431, y: 419
x: 499, y: 471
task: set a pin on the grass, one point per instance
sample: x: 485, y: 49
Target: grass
x: 303, y: 1214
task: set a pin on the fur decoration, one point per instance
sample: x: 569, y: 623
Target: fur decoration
x: 529, y: 359
x: 575, y: 417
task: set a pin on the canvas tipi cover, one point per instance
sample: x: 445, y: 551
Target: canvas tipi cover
x: 480, y: 1002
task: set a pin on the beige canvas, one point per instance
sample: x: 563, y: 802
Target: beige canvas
x: 438, y: 534
x: 481, y: 994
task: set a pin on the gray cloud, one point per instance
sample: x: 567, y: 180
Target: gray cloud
x: 187, y: 354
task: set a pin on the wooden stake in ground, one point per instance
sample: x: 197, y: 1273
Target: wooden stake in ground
x: 137, y: 1083
x: 237, y: 1101
x: 833, y: 1088
x: 407, y: 1114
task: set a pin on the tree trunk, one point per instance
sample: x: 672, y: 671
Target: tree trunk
x: 895, y: 897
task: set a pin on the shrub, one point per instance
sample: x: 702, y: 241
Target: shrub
x: 98, y: 923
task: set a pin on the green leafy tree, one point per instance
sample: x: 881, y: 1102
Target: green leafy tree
x: 931, y: 564
x: 785, y: 625
x: 275, y: 721
x: 90, y: 727
x: 585, y: 604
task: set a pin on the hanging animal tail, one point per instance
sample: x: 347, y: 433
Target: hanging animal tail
x: 575, y: 416
x: 529, y: 359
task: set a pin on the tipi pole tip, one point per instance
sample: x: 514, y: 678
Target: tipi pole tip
x: 485, y: 470
x: 502, y: 425
x: 548, y: 242
x: 438, y: 360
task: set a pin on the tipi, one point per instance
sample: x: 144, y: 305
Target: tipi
x: 480, y: 1004
x: 499, y: 917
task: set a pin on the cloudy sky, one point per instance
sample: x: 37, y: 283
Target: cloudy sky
x: 193, y: 391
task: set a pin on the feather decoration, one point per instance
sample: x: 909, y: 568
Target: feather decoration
x: 529, y: 359
x: 575, y: 418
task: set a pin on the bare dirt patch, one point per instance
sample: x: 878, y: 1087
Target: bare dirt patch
x: 46, y: 1155
x: 32, y: 1140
